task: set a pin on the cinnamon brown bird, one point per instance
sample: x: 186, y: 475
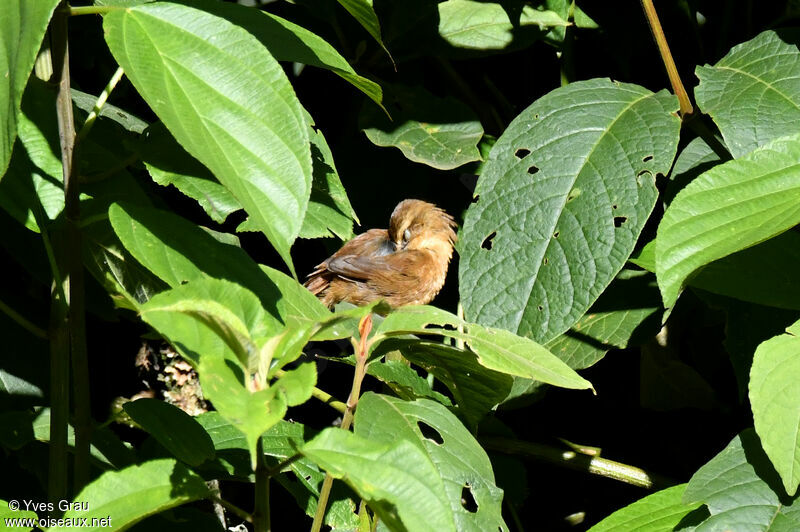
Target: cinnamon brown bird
x: 404, y: 265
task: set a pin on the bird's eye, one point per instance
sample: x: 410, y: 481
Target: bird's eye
x: 406, y: 235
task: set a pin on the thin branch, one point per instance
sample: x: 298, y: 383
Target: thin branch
x: 364, y: 328
x: 241, y: 514
x: 22, y: 321
x: 90, y: 10
x: 98, y: 106
x: 579, y: 462
x: 666, y: 57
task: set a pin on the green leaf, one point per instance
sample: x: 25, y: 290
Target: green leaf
x: 729, y: 208
x: 252, y: 413
x: 404, y: 381
x: 775, y: 400
x: 169, y: 164
x: 447, y: 445
x: 625, y: 314
x: 753, y: 93
x: 280, y: 442
x: 211, y: 318
x: 86, y: 103
x: 561, y: 203
x: 128, y: 496
x: 22, y: 30
x: 475, y: 389
x: 6, y: 513
x: 496, y: 349
x: 488, y: 25
x: 298, y: 383
x: 255, y: 142
x: 662, y: 510
x: 287, y: 41
x: 397, y: 479
x: 173, y: 428
x: 177, y: 251
x: 742, y: 491
x: 362, y: 11
x: 329, y: 211
x: 439, y: 132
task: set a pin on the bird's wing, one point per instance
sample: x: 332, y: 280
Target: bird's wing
x: 400, y: 268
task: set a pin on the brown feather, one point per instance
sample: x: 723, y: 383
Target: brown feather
x: 404, y: 265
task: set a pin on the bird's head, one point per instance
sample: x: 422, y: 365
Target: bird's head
x: 417, y: 224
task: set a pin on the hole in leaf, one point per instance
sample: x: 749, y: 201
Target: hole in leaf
x: 536, y: 116
x: 521, y: 153
x: 574, y: 193
x: 614, y: 206
x: 545, y: 261
x: 475, y: 199
x: 541, y: 308
x: 487, y: 242
x: 533, y: 169
x: 308, y: 478
x: 430, y: 433
x: 647, y: 158
x: 467, y: 500
x: 619, y: 220
x: 555, y: 235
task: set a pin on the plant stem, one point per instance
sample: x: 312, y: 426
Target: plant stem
x: 567, y: 61
x: 364, y: 328
x: 22, y: 321
x: 58, y: 329
x: 241, y: 514
x: 277, y: 468
x: 579, y: 462
x: 666, y: 57
x: 90, y: 10
x: 322, y: 395
x: 261, y: 518
x: 216, y: 496
x: 76, y: 311
x: 98, y: 106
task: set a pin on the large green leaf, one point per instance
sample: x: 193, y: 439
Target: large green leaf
x: 497, y: 349
x: 279, y: 443
x: 397, y: 479
x: 169, y: 164
x: 753, y: 93
x: 287, y: 41
x: 775, y: 400
x: 625, y: 314
x: 176, y: 250
x: 447, y: 445
x: 119, y: 499
x: 439, y: 132
x: 475, y: 389
x: 729, y: 208
x: 742, y: 491
x: 657, y: 512
x: 488, y: 25
x: 173, y: 428
x: 560, y: 204
x: 234, y: 110
x: 22, y: 29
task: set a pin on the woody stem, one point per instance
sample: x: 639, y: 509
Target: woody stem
x: 364, y: 328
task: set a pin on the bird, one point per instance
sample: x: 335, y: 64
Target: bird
x: 403, y: 265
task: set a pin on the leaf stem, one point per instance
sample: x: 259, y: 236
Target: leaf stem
x: 22, y: 321
x: 98, y: 106
x: 364, y: 328
x: 579, y: 462
x: 241, y: 514
x: 74, y: 11
x: 666, y: 57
